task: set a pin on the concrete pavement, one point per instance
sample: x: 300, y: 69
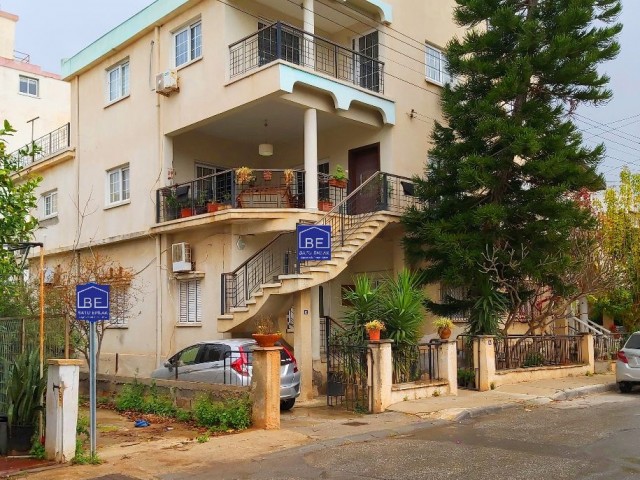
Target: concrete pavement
x: 315, y: 425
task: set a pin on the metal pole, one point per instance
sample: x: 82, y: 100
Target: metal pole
x: 92, y: 386
x: 41, y: 311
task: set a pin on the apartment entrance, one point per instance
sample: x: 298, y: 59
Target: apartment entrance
x: 364, y: 162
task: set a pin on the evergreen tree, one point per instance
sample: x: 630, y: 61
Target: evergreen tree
x: 499, y: 193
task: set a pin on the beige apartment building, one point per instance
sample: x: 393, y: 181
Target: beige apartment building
x: 167, y: 108
x: 35, y: 102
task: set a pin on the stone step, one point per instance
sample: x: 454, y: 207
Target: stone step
x: 239, y: 309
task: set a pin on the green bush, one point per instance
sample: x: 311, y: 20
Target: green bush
x: 131, y: 398
x: 183, y: 415
x: 533, y: 360
x: 231, y: 414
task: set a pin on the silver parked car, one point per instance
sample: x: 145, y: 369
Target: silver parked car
x: 628, y: 364
x: 229, y: 362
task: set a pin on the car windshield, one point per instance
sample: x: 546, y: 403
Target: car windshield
x: 285, y: 358
x: 633, y: 342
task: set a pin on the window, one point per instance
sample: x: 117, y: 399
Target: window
x: 190, y: 302
x: 188, y: 356
x: 118, y: 81
x: 188, y: 43
x: 29, y: 86
x: 119, y: 304
x: 118, y: 185
x: 368, y: 69
x: 50, y: 204
x: 437, y: 66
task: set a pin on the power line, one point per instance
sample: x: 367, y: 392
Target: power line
x: 595, y: 124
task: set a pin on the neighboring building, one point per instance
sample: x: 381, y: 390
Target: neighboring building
x: 269, y: 85
x: 35, y: 102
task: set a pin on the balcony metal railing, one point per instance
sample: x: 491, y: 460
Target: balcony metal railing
x: 42, y: 147
x: 281, y: 41
x: 380, y: 192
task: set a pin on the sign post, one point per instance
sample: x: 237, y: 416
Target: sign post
x: 92, y: 305
x: 314, y: 242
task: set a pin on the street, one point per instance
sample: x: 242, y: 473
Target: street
x: 596, y: 437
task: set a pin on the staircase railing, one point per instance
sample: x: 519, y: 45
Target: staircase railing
x: 380, y: 192
x: 587, y: 325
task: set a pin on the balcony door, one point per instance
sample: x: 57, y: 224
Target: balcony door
x: 208, y: 187
x: 268, y: 44
x: 364, y: 162
x: 367, y: 70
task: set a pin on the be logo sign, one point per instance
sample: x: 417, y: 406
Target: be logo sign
x: 92, y: 302
x: 314, y: 242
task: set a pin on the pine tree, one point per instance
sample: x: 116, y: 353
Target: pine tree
x: 505, y: 169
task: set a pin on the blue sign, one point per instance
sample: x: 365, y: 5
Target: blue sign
x: 92, y: 302
x: 314, y: 242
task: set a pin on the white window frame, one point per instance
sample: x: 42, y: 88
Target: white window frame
x: 29, y: 81
x: 193, y: 52
x: 190, y: 302
x: 52, y: 197
x: 436, y: 66
x: 120, y: 74
x: 120, y: 179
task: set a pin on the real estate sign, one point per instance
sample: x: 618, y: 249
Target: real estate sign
x: 314, y: 242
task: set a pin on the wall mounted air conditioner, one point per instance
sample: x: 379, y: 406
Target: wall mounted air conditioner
x: 181, y: 257
x: 167, y: 82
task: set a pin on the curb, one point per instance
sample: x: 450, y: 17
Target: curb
x: 583, y: 391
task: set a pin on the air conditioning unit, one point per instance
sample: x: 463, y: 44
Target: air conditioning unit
x: 181, y: 257
x: 167, y: 82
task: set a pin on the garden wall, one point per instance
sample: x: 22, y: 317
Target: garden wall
x: 182, y: 393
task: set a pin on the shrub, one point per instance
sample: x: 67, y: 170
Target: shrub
x: 131, y: 398
x: 231, y: 414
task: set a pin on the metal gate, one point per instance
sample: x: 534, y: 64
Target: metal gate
x: 348, y: 376
x: 468, y: 372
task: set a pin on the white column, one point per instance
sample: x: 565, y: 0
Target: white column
x: 583, y: 305
x: 302, y: 342
x: 311, y: 159
x: 315, y: 322
x: 308, y: 16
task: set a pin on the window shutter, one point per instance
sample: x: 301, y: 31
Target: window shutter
x: 190, y: 302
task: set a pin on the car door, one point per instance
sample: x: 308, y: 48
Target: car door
x: 210, y: 364
x: 186, y: 362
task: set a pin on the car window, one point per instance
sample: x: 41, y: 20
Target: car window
x: 189, y: 355
x: 633, y: 342
x: 214, y: 352
x: 285, y: 358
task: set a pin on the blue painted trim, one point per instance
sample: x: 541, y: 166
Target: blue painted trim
x: 386, y: 10
x: 342, y: 94
x: 119, y: 35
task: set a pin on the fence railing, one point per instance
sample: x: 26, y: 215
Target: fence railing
x: 42, y: 147
x: 415, y: 362
x: 606, y: 346
x: 281, y: 41
x: 535, y: 351
x: 381, y: 192
x: 21, y: 334
x: 348, y: 376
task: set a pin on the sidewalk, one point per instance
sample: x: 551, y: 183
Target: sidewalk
x: 315, y: 425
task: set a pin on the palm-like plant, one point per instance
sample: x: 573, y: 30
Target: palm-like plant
x: 401, y: 302
x: 25, y: 389
x: 364, y: 307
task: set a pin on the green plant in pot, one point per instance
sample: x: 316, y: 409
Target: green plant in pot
x: 339, y: 177
x: 444, y: 326
x: 24, y: 395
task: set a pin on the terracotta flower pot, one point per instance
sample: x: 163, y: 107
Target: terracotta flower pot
x: 186, y: 212
x: 444, y: 333
x: 266, y: 175
x: 212, y: 207
x: 374, y: 334
x: 266, y: 339
x: 325, y: 206
x: 337, y: 183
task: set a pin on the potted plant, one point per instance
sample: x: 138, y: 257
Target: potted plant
x: 266, y: 175
x: 325, y: 205
x: 444, y: 326
x: 266, y: 332
x: 185, y: 209
x: 24, y: 395
x: 288, y: 176
x: 244, y: 175
x: 339, y: 178
x: 373, y: 328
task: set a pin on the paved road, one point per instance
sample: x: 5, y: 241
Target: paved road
x: 596, y: 437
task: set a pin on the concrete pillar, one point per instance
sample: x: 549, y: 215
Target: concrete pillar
x: 311, y: 159
x: 309, y: 25
x: 380, y: 374
x: 484, y: 360
x: 448, y: 365
x: 302, y: 342
x: 583, y: 306
x: 265, y: 388
x: 62, y: 409
x: 167, y: 161
x: 315, y: 322
x: 588, y: 351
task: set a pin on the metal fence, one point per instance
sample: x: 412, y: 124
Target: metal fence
x: 606, y: 346
x: 467, y: 371
x: 20, y: 334
x: 415, y: 362
x: 515, y: 351
x: 45, y: 146
x: 348, y: 377
x: 281, y: 41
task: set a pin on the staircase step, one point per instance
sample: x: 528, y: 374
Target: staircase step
x: 295, y: 276
x: 270, y: 285
x: 239, y: 309
x: 259, y: 293
x: 251, y: 301
x: 226, y: 316
x: 318, y: 270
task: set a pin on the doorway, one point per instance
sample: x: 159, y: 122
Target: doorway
x: 364, y: 162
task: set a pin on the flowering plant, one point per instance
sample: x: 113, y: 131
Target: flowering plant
x: 374, y: 325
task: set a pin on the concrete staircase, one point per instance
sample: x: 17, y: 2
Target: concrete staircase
x: 270, y: 295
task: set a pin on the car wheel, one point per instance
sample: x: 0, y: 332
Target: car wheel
x: 625, y: 387
x: 287, y: 404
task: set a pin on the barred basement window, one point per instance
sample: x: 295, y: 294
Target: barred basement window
x: 190, y: 302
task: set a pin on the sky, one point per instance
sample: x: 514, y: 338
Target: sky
x: 50, y: 30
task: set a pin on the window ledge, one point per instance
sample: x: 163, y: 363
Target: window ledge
x: 188, y: 325
x: 119, y: 99
x: 48, y: 217
x: 189, y: 275
x: 117, y: 204
x: 190, y: 62
x: 28, y: 95
x: 433, y: 82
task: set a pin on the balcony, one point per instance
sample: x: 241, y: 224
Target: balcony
x: 281, y: 41
x: 242, y: 188
x: 42, y: 148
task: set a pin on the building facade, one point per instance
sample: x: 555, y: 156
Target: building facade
x: 167, y: 108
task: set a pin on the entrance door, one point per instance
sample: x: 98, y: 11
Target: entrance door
x: 364, y: 162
